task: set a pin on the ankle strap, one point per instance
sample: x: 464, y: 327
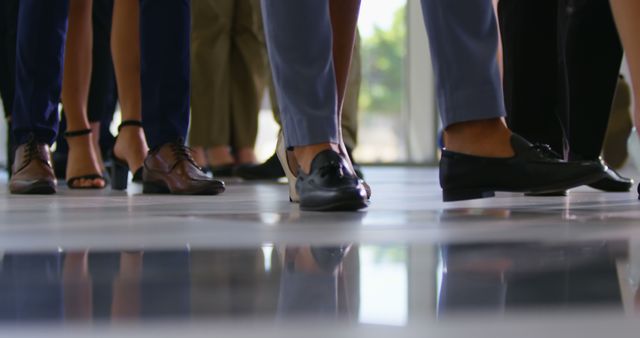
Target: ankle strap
x: 132, y: 123
x: 77, y: 133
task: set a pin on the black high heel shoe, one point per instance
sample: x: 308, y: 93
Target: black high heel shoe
x: 71, y: 181
x: 120, y: 168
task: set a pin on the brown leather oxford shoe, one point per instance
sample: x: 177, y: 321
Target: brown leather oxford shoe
x: 170, y: 169
x: 32, y: 170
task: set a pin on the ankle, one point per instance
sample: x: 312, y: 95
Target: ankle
x: 305, y: 155
x: 490, y: 138
x: 219, y: 156
x: 199, y: 156
x: 80, y: 139
x: 246, y: 156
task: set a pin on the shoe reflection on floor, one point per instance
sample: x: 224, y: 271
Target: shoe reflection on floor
x: 499, y: 278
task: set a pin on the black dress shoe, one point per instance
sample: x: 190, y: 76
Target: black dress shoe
x: 533, y: 169
x: 330, y: 186
x: 269, y: 170
x: 612, y: 181
x: 559, y: 193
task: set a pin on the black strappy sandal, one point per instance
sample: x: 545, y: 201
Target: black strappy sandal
x: 120, y: 168
x: 72, y: 180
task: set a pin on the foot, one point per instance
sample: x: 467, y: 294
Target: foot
x: 305, y: 155
x: 219, y: 156
x: 328, y: 185
x: 200, y: 156
x: 612, y: 181
x: 269, y: 170
x: 246, y: 156
x: 172, y: 169
x: 32, y: 172
x: 83, y: 170
x: 220, y: 161
x: 485, y: 138
x: 95, y: 142
x: 131, y: 146
x: 533, y: 168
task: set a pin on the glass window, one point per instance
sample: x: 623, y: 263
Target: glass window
x: 383, y: 32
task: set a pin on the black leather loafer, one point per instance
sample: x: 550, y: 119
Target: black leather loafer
x: 612, y: 181
x: 330, y: 186
x: 533, y: 169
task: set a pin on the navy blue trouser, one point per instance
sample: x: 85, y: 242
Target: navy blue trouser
x: 299, y: 42
x: 165, y: 28
x: 164, y: 35
x: 463, y: 40
x: 42, y: 28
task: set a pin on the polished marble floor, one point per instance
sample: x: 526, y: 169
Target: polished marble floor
x: 250, y: 264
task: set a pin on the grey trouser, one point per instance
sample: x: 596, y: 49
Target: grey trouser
x: 463, y: 39
x: 350, y: 107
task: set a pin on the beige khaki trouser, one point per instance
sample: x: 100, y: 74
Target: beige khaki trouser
x: 229, y: 72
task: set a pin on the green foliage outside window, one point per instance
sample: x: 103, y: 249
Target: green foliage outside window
x: 383, y: 56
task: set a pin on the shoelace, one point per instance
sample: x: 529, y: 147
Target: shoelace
x: 546, y: 151
x: 31, y: 151
x: 183, y: 152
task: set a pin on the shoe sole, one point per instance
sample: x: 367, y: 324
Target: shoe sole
x: 453, y: 195
x: 609, y: 189
x: 337, y: 206
x: 162, y: 189
x: 36, y: 188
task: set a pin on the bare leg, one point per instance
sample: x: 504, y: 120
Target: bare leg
x: 626, y: 13
x: 95, y: 141
x: 125, y: 49
x: 126, y: 287
x: 78, y: 300
x: 75, y: 92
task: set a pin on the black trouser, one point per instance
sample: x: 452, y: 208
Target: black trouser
x: 561, y: 62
